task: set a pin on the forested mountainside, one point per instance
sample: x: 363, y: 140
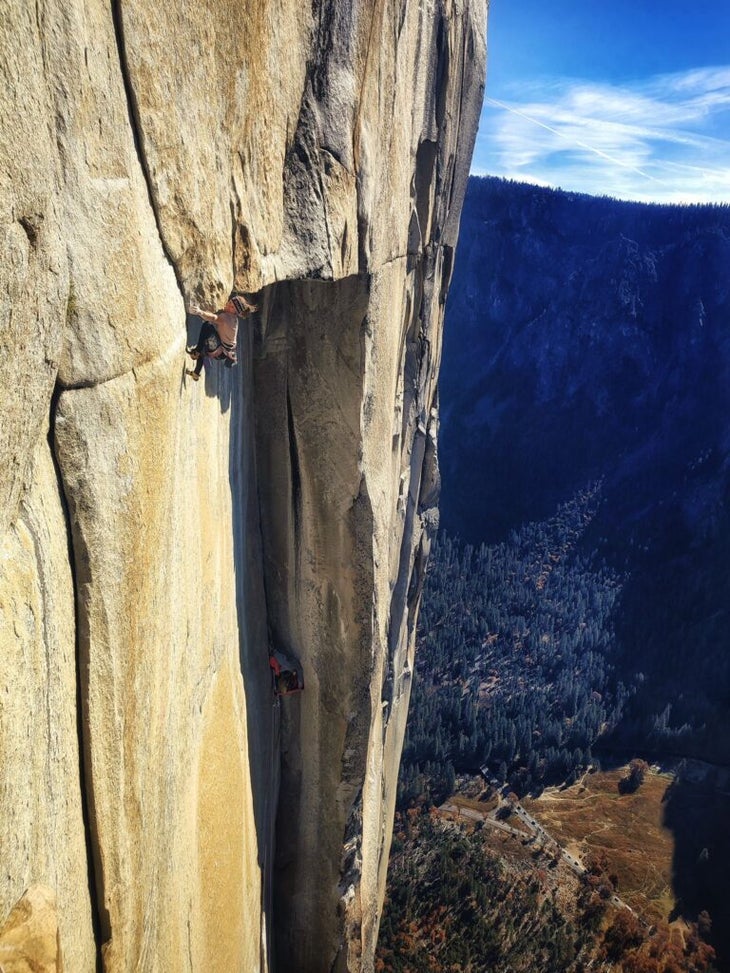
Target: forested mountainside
x: 588, y: 343
x: 575, y: 607
x: 514, y: 671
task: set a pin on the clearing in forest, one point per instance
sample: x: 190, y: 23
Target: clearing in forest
x: 592, y: 818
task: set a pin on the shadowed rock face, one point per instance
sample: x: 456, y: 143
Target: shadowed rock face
x: 156, y: 538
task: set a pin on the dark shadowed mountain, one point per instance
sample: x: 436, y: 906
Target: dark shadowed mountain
x: 588, y: 341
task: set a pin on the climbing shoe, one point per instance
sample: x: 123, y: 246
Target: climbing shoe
x: 194, y: 375
x: 193, y: 352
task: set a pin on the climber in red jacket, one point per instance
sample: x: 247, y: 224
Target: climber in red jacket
x: 218, y: 335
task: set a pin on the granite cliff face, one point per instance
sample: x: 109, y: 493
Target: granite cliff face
x: 156, y: 538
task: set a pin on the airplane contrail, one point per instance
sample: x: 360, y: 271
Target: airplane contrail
x: 573, y: 141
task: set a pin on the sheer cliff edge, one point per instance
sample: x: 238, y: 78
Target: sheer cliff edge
x: 159, y: 538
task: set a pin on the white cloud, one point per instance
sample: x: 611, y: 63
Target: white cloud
x: 665, y: 138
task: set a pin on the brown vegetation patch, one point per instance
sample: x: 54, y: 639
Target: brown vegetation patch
x: 594, y: 818
x: 483, y: 807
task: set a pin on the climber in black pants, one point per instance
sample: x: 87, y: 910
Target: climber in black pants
x: 208, y: 344
x: 219, y: 333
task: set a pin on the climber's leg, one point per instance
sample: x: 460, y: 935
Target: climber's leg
x: 207, y: 331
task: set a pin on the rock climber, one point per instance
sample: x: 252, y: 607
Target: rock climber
x: 218, y: 335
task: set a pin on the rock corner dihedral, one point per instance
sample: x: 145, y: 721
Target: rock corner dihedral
x: 157, y: 542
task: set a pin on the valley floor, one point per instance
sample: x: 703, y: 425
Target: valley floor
x: 582, y: 877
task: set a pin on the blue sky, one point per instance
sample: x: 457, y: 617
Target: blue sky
x: 609, y: 97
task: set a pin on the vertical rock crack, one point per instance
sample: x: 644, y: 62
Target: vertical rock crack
x: 137, y: 133
x: 99, y: 916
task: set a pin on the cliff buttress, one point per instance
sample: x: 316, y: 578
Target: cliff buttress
x: 157, y: 537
